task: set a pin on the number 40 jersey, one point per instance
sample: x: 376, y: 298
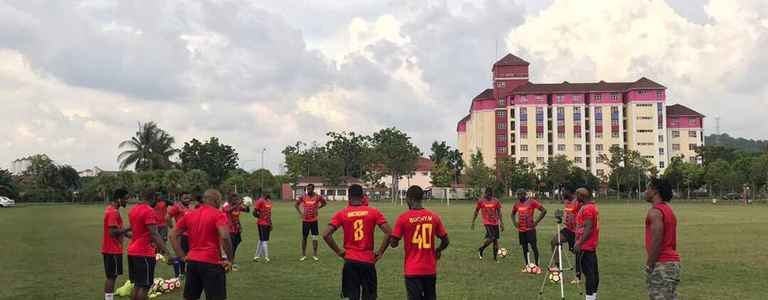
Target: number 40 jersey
x: 417, y: 230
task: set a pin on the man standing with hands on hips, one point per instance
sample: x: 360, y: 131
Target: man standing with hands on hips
x: 310, y: 204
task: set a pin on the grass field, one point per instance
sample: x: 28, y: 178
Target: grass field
x: 52, y: 252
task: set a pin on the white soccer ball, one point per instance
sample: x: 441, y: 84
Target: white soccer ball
x: 247, y: 201
x: 554, y: 277
x: 714, y: 200
x: 503, y: 252
x: 532, y: 268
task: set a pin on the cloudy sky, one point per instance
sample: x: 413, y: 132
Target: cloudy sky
x: 77, y: 76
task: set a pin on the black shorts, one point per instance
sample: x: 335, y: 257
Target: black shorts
x: 163, y: 231
x: 358, y: 281
x: 236, y: 239
x: 141, y: 270
x: 307, y: 227
x: 492, y: 232
x: 421, y: 287
x: 205, y: 277
x: 568, y: 236
x: 113, y: 265
x: 264, y: 231
x: 528, y: 237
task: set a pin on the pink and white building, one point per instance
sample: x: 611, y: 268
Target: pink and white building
x: 534, y: 122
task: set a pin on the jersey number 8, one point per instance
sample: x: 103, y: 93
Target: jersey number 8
x: 358, y: 225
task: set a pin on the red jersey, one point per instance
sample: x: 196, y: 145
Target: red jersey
x: 265, y: 211
x: 202, y: 226
x: 233, y: 216
x: 359, y: 224
x: 311, y: 204
x: 161, y: 209
x: 141, y: 216
x: 110, y: 244
x: 669, y: 238
x: 177, y: 211
x: 418, y: 228
x: 489, y: 210
x: 525, y: 211
x: 571, y: 208
x: 588, y: 211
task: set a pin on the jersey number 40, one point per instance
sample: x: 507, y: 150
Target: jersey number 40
x: 422, y: 236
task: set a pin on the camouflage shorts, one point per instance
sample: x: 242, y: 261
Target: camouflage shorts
x: 663, y: 281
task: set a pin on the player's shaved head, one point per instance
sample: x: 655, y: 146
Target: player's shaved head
x: 355, y: 193
x: 413, y: 196
x: 212, y: 197
x: 583, y: 194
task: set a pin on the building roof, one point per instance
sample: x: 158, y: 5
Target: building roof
x: 511, y: 60
x: 348, y: 180
x: 584, y: 87
x: 424, y: 165
x: 681, y: 110
x: 486, y: 94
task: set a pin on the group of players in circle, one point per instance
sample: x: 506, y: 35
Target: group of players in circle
x: 205, y: 238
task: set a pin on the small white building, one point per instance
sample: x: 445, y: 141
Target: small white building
x: 421, y: 176
x: 20, y: 165
x: 331, y: 192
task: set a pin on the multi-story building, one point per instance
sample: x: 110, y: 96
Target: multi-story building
x: 534, y: 122
x: 685, y: 132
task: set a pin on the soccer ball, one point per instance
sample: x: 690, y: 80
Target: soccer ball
x: 533, y: 269
x: 714, y: 201
x: 503, y: 252
x: 247, y: 201
x: 166, y: 286
x: 554, y: 276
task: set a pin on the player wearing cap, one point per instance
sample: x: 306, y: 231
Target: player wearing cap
x: 358, y: 223
x: 490, y: 209
x: 419, y: 227
x: 310, y: 203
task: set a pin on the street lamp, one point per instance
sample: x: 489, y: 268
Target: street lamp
x: 261, y: 176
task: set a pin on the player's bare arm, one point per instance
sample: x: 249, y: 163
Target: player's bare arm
x: 384, y: 242
x: 587, y: 233
x: 657, y: 231
x: 514, y: 221
x: 444, y: 242
x: 542, y: 214
x: 176, y: 242
x: 323, y: 203
x: 152, y: 228
x: 501, y: 218
x: 226, y: 243
x: 298, y: 210
x: 328, y: 238
x: 474, y: 218
x: 394, y: 241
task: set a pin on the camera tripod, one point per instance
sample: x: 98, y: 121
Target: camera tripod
x: 560, y: 267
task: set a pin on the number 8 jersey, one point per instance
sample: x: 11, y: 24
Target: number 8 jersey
x: 417, y: 230
x: 358, y: 223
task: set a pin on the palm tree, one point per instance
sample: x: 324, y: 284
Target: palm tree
x: 150, y: 149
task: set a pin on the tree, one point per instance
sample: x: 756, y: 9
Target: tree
x: 196, y: 180
x: 213, y: 157
x: 478, y: 175
x: 394, y: 152
x: 151, y: 148
x: 43, y: 171
x: 7, y: 185
x: 350, y: 150
x: 442, y: 175
x: 556, y: 172
x: 174, y: 181
x: 440, y: 152
x: 627, y: 168
x: 582, y: 178
x: 105, y: 185
x: 262, y: 179
x: 456, y: 162
x: 720, y: 176
x: 70, y: 179
x: 674, y: 173
x: 513, y: 174
x: 300, y: 160
x: 709, y: 154
x: 125, y: 180
x: 148, y: 181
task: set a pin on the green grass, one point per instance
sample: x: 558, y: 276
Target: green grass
x: 52, y: 252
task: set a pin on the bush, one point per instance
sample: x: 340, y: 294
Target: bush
x: 45, y: 195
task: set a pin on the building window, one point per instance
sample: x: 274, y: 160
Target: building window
x: 692, y: 159
x: 539, y: 134
x: 599, y: 159
x: 578, y: 159
x: 661, y: 139
x: 501, y: 113
x: 644, y: 105
x: 692, y: 133
x: 597, y: 97
x: 641, y: 92
x: 661, y: 151
x: 600, y: 173
x: 644, y: 131
x: 661, y: 165
x: 540, y: 159
x: 598, y: 135
x: 539, y: 98
x: 561, y: 135
x: 614, y: 96
x: 659, y: 95
x: 500, y: 83
x: 577, y: 147
x: 524, y: 160
x: 524, y: 148
x: 645, y: 118
x: 614, y: 134
x: 660, y: 114
x: 501, y: 126
x: 675, y: 122
x: 523, y: 114
x: 598, y: 113
x: 501, y: 149
x: 675, y: 133
x: 675, y: 147
x: 502, y: 102
x: 522, y: 99
x: 645, y: 144
x: 501, y: 138
x: 540, y: 148
x: 559, y: 98
x: 577, y: 114
x: 599, y: 147
x: 576, y: 97
x: 561, y: 147
x: 692, y: 147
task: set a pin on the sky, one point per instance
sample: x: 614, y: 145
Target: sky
x: 76, y: 77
